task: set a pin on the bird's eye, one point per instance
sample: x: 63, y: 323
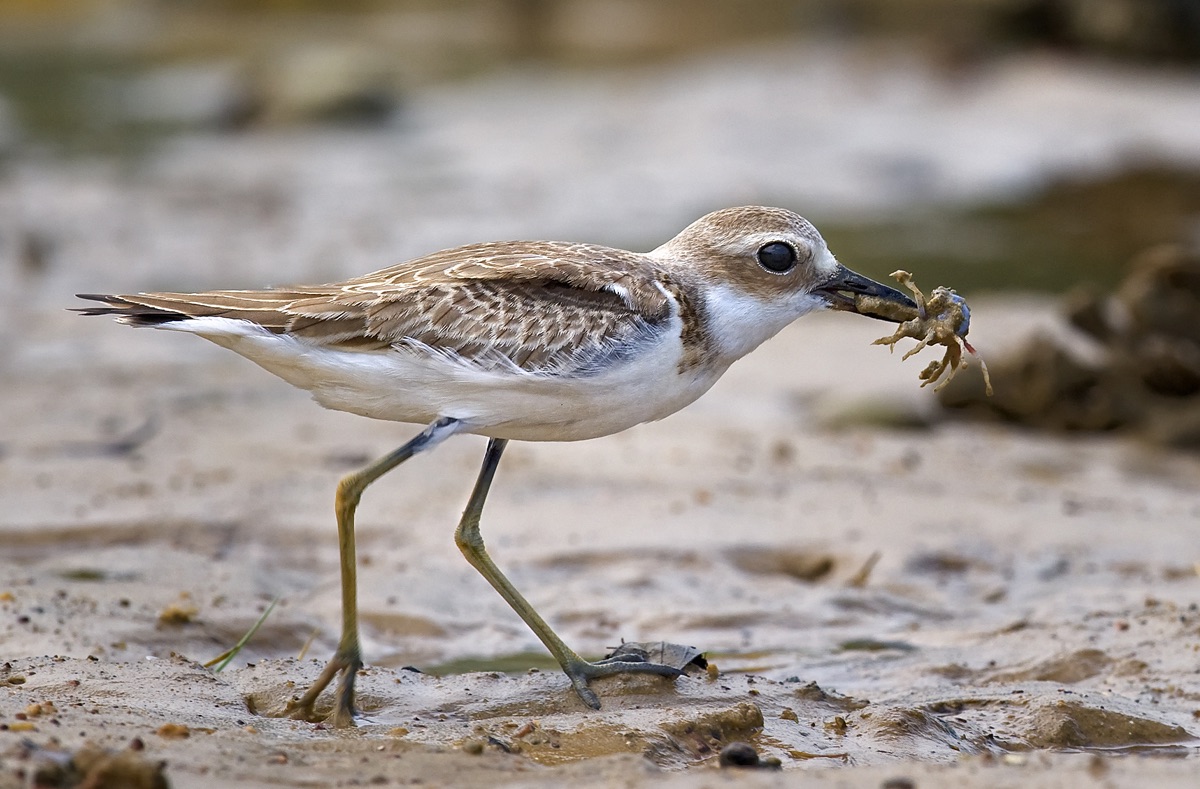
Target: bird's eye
x: 776, y: 256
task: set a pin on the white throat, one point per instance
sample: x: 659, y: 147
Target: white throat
x: 738, y: 322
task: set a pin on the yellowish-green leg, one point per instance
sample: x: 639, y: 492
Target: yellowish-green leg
x: 470, y: 542
x: 347, y: 660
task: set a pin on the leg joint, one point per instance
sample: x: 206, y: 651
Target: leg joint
x: 349, y: 490
x: 468, y: 540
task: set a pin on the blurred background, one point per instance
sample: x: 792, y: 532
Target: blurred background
x: 1042, y: 157
x: 994, y: 145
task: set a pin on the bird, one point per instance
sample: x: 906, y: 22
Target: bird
x: 520, y: 341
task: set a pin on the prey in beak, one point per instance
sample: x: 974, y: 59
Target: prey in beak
x: 850, y: 291
x: 941, y: 318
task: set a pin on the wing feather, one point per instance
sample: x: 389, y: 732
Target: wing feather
x: 538, y: 306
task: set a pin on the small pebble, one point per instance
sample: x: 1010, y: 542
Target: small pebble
x: 738, y: 754
x: 743, y: 755
x: 898, y: 783
x: 173, y: 731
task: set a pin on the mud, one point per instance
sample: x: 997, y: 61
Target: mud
x: 859, y: 612
x: 889, y: 600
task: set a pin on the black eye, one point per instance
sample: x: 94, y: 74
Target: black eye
x: 776, y: 256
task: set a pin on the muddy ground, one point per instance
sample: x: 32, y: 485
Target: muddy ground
x: 884, y: 595
x: 1033, y: 609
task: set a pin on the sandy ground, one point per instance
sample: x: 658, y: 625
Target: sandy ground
x: 1031, y: 619
x: 1034, y: 602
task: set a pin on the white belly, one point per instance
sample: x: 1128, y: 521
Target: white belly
x: 404, y: 386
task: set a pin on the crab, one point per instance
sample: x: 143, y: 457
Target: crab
x: 942, y: 319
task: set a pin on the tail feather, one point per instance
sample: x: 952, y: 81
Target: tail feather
x: 129, y: 312
x: 264, y: 308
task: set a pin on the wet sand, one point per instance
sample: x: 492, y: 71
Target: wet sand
x: 1031, y: 617
x: 884, y: 595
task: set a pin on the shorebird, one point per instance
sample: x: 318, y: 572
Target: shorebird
x: 521, y: 341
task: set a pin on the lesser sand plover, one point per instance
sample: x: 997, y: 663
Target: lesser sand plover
x: 524, y: 340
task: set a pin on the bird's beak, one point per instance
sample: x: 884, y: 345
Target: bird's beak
x: 847, y: 290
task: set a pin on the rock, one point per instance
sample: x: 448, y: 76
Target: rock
x: 1146, y: 379
x: 206, y: 94
x: 341, y: 83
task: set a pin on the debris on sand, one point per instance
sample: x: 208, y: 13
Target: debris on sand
x: 1146, y: 374
x: 95, y: 767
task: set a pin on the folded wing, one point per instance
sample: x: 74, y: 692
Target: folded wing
x: 539, y: 306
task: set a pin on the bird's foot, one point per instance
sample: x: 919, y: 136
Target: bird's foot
x: 582, y: 672
x: 343, y: 713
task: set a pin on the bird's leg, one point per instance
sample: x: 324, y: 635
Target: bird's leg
x: 470, y: 542
x: 347, y: 660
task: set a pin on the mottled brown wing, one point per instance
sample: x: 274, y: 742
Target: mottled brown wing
x: 541, y: 306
